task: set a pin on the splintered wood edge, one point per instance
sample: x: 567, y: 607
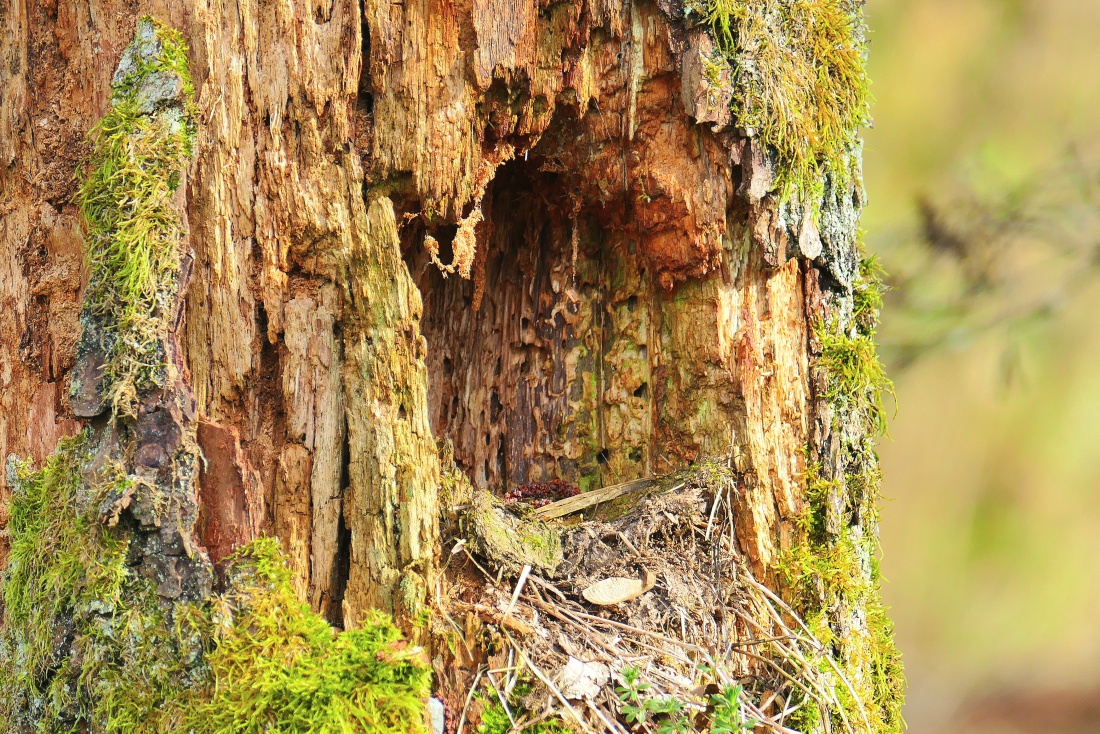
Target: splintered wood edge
x: 569, y: 505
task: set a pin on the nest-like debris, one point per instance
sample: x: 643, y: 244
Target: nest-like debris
x: 702, y: 622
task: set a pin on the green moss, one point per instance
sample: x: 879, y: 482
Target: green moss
x: 590, y: 481
x: 800, y: 83
x: 855, y: 379
x: 832, y: 580
x: 867, y: 293
x: 87, y: 644
x: 279, y: 667
x: 832, y: 566
x: 887, y: 672
x: 805, y: 719
x: 84, y: 637
x: 819, y: 493
x: 133, y: 229
x: 854, y: 373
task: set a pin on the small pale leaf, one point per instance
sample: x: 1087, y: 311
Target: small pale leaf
x: 613, y: 590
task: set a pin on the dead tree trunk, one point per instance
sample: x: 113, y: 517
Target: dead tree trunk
x: 413, y: 253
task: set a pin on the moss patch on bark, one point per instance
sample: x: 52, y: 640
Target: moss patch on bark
x: 277, y: 666
x: 88, y: 645
x: 833, y: 571
x: 507, y: 541
x: 800, y: 83
x: 133, y: 230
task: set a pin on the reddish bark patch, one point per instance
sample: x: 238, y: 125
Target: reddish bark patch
x: 44, y: 426
x: 229, y: 490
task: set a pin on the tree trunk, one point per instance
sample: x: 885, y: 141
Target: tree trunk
x: 569, y: 243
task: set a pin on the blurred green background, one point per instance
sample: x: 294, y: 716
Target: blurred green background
x: 991, y: 536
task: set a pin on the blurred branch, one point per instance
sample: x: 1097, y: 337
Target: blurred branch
x: 1000, y: 260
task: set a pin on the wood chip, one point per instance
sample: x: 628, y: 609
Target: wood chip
x: 580, y: 680
x: 568, y: 506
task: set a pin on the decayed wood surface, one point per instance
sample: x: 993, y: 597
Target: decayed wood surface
x: 392, y: 506
x: 619, y: 322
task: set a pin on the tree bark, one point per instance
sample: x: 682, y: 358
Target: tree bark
x: 531, y: 229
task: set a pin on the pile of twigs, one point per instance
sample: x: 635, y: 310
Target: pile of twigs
x: 707, y: 623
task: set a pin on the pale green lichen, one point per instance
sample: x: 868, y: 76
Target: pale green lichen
x: 509, y: 542
x: 133, y: 229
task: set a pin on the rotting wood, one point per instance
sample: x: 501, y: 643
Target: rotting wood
x: 230, y: 511
x: 631, y: 309
x: 312, y: 389
x: 292, y: 512
x: 392, y: 508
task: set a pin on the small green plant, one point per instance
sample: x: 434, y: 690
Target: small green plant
x: 673, y: 719
x: 727, y: 717
x: 669, y: 715
x: 494, y: 719
x: 633, y: 706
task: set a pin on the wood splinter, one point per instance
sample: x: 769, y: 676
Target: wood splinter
x: 570, y: 505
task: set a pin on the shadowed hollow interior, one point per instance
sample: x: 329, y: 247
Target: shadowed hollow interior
x: 560, y: 358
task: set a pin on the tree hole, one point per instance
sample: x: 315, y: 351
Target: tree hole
x: 519, y: 386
